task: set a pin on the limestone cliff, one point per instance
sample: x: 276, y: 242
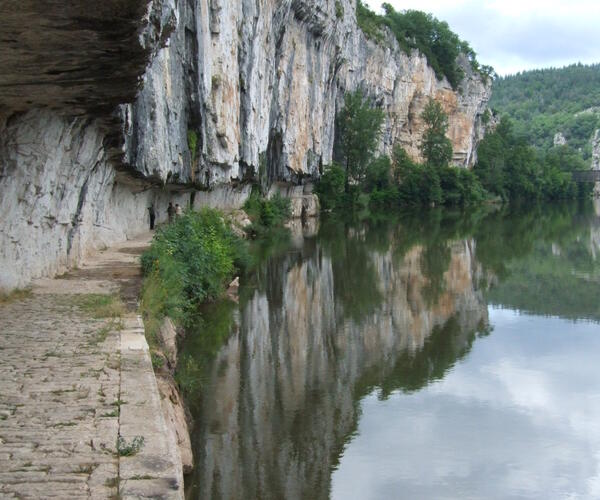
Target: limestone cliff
x: 99, y: 102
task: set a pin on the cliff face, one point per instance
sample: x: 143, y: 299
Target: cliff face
x: 256, y: 83
x: 260, y: 81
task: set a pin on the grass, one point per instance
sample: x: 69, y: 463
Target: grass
x: 100, y: 336
x: 20, y: 294
x: 102, y: 306
x: 86, y: 469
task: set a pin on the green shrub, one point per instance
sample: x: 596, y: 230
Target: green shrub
x: 266, y: 214
x: 193, y: 143
x: 339, y: 9
x: 190, y: 261
x: 330, y: 187
x: 369, y: 22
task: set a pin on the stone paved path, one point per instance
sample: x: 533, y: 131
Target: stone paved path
x: 72, y: 385
x: 59, y: 387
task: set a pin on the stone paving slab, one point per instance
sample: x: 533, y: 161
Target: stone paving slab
x: 72, y: 385
x: 53, y: 443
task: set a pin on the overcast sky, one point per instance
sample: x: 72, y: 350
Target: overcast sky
x: 514, y: 35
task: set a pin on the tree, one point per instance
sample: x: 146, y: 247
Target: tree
x: 436, y: 147
x: 358, y: 128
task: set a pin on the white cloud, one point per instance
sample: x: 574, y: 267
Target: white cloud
x: 517, y: 418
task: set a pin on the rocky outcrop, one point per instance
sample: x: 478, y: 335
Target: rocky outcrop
x: 596, y: 151
x: 596, y: 160
x: 109, y: 108
x: 259, y: 84
x: 559, y: 139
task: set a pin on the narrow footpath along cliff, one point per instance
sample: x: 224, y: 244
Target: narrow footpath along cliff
x: 100, y: 105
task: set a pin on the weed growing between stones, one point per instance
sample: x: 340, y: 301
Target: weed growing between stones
x: 125, y: 449
x: 6, y: 298
x: 102, y: 306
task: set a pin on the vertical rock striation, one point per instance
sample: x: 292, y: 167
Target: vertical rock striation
x: 264, y: 79
x: 101, y: 105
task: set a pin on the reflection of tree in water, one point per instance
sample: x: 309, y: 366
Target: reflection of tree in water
x: 446, y: 345
x: 543, y: 260
x: 283, y: 392
x: 204, y: 338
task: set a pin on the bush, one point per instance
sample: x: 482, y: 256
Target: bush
x: 330, y: 187
x: 190, y: 261
x: 266, y: 213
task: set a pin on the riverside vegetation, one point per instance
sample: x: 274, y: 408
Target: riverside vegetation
x: 191, y: 261
x: 507, y: 169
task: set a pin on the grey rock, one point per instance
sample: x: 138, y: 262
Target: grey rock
x: 99, y: 112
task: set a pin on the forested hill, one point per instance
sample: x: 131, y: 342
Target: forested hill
x: 542, y: 103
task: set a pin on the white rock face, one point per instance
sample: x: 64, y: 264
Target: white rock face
x: 559, y: 139
x: 61, y: 198
x: 254, y: 85
x: 596, y: 151
x: 260, y: 81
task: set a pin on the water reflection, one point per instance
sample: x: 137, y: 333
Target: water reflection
x: 329, y: 321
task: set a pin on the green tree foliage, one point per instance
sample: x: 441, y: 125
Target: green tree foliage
x: 380, y: 184
x: 436, y: 147
x: 358, y: 128
x: 369, y: 22
x: 190, y: 261
x: 417, y: 30
x: 508, y: 167
x: 331, y: 187
x: 541, y: 103
x: 417, y: 184
x: 266, y: 213
x: 434, y: 39
x: 194, y: 256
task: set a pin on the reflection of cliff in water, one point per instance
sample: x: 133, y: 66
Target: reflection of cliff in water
x: 325, y: 325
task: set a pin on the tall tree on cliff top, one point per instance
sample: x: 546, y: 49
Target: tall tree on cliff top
x: 436, y: 147
x: 358, y: 128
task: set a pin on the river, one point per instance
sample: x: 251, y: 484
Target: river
x: 436, y: 355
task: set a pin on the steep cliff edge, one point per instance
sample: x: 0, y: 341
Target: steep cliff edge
x: 100, y: 105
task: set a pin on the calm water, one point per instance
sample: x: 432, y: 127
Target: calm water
x: 442, y: 356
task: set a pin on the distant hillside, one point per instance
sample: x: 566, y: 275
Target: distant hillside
x: 542, y: 103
